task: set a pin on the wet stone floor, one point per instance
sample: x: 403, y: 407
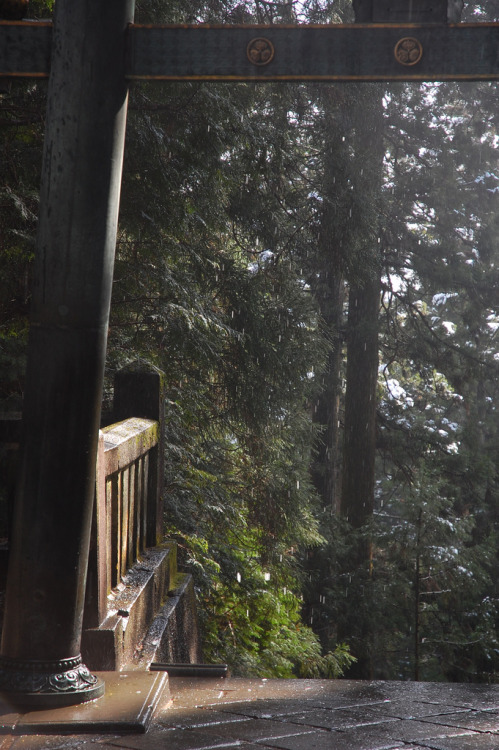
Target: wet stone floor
x: 205, y: 714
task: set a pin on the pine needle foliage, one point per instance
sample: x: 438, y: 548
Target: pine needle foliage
x: 207, y: 288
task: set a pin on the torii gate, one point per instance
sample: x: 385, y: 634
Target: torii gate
x: 92, y: 51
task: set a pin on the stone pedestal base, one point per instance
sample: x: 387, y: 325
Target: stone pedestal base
x: 48, y: 684
x: 129, y: 705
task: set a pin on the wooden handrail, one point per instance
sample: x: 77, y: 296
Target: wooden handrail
x: 125, y: 507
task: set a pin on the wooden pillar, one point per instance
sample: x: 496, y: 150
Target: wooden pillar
x: 40, y: 660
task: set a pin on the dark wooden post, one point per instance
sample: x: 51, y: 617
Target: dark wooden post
x: 139, y: 392
x: 40, y: 660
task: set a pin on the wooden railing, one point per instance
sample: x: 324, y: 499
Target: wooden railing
x: 127, y: 512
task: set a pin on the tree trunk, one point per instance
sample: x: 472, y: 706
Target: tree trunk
x: 357, y: 500
x: 359, y: 446
x: 326, y: 467
x: 329, y: 290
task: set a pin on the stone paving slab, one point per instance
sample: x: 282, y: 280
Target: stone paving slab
x: 65, y: 742
x: 456, y: 694
x: 408, y: 730
x: 257, y: 730
x: 225, y: 714
x: 335, y: 741
x: 180, y: 739
x: 352, y: 740
x: 480, y: 721
x: 470, y: 742
x: 195, y: 718
x: 265, y: 709
x: 338, y: 718
x: 407, y: 709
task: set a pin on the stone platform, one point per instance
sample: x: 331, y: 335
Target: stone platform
x: 208, y: 714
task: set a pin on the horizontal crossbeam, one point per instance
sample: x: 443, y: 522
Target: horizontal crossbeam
x: 25, y: 48
x: 363, y: 52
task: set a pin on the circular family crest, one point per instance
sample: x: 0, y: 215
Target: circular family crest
x: 260, y: 51
x: 408, y: 51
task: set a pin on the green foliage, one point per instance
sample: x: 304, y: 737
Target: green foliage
x: 22, y: 106
x: 250, y: 620
x: 436, y: 398
x: 214, y: 298
x: 431, y: 547
x: 21, y: 133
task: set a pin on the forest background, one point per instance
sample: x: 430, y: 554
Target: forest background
x: 315, y: 268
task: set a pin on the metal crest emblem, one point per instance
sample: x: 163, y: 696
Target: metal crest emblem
x: 408, y: 51
x: 260, y: 51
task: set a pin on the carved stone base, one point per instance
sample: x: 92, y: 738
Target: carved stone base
x: 48, y: 683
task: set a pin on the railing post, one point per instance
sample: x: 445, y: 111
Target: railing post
x: 40, y: 660
x: 139, y: 392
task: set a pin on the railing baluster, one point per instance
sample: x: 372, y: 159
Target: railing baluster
x: 132, y: 491
x: 145, y: 502
x: 109, y: 536
x: 125, y: 496
x: 138, y: 506
x: 115, y: 486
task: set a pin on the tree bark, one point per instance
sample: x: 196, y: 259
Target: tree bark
x: 357, y: 500
x: 327, y: 463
